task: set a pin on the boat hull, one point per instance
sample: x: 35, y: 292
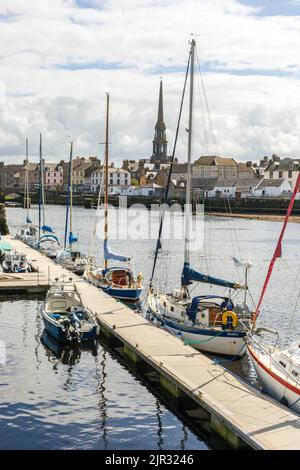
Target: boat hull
x: 222, y: 343
x: 272, y: 383
x: 55, y: 330
x: 131, y: 294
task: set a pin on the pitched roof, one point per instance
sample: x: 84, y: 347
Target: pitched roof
x: 179, y: 168
x: 214, y: 160
x: 272, y: 183
x: 284, y: 164
x: 204, y: 183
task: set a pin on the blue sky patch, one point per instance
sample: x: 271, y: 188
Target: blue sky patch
x: 274, y: 7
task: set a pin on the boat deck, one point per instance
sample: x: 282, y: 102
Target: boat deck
x: 238, y: 412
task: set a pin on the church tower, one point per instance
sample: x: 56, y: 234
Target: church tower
x: 160, y: 142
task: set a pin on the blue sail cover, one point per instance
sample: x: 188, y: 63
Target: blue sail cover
x: 108, y: 254
x: 188, y: 275
x: 72, y: 239
x: 48, y: 229
x: 193, y: 308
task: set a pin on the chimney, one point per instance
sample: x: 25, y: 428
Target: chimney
x: 249, y: 164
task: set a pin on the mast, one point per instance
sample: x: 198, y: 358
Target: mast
x: 188, y: 184
x: 27, y: 184
x: 166, y: 197
x: 68, y: 198
x: 71, y: 193
x: 40, y: 187
x: 106, y: 178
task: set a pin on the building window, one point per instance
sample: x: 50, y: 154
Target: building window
x: 118, y: 181
x: 290, y: 174
x: 280, y: 174
x: 48, y: 181
x: 271, y: 174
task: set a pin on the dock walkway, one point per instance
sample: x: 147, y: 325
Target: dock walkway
x: 239, y: 413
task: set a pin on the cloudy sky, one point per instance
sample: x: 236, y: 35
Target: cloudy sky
x: 59, y: 57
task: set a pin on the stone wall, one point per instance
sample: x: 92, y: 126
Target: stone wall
x: 3, y: 223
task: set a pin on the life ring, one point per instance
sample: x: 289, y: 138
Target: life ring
x: 233, y: 315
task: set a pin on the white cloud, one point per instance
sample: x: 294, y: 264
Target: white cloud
x: 128, y: 45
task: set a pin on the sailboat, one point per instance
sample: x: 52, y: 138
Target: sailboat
x: 208, y: 322
x: 278, y: 368
x: 69, y: 258
x: 117, y: 281
x: 28, y: 232
x: 47, y: 242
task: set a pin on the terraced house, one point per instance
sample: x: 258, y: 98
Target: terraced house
x: 215, y: 167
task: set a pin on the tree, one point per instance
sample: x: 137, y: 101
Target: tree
x: 134, y: 182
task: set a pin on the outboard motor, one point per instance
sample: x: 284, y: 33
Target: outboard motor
x: 74, y: 328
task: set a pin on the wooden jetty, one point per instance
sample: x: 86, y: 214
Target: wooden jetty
x: 238, y: 412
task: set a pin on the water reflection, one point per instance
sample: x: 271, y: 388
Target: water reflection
x: 102, y: 403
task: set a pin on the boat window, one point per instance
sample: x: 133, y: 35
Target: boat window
x: 203, y: 315
x: 165, y: 304
x: 172, y: 309
x: 282, y: 364
x: 295, y: 374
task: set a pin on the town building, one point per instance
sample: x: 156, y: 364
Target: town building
x: 286, y: 168
x: 117, y: 177
x: 215, y: 167
x: 53, y: 175
x: 82, y: 172
x: 273, y: 188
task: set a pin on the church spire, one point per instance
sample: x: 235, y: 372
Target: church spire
x: 160, y: 114
x: 160, y: 141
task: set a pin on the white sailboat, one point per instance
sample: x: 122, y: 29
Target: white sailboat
x: 278, y: 368
x: 117, y: 281
x: 208, y: 322
x: 47, y: 242
x: 71, y: 259
x: 28, y: 232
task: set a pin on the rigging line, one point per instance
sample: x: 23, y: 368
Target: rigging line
x: 231, y: 239
x: 203, y: 117
x: 158, y: 244
x: 294, y: 311
x: 92, y: 243
x: 207, y: 107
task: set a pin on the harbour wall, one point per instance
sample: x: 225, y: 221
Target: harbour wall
x: 261, y: 206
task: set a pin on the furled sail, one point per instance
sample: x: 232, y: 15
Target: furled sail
x: 188, y: 275
x: 72, y: 239
x: 108, y: 254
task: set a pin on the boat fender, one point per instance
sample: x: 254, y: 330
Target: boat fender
x: 232, y: 315
x: 139, y: 279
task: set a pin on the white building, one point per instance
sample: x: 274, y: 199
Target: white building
x: 117, y: 177
x: 273, y: 188
x: 286, y: 169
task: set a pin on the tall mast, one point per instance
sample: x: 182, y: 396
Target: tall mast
x: 106, y: 177
x: 40, y: 186
x: 68, y: 198
x: 71, y: 190
x: 27, y: 184
x: 188, y: 184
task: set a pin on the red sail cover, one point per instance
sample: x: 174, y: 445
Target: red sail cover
x: 277, y: 252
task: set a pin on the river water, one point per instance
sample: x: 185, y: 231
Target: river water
x: 89, y: 399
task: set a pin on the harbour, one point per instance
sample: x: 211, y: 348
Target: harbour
x: 179, y: 366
